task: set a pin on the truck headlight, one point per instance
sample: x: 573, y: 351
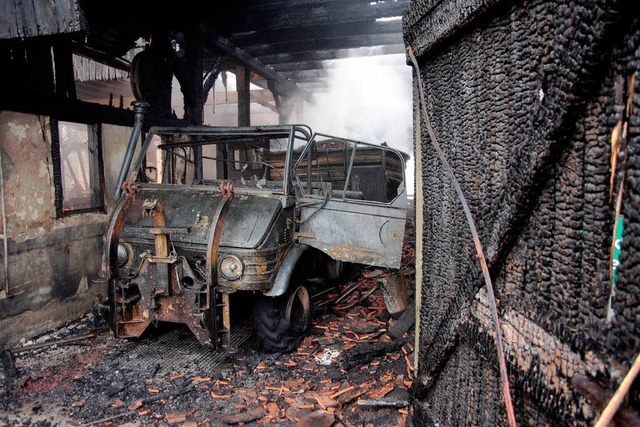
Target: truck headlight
x: 123, y: 256
x: 231, y: 267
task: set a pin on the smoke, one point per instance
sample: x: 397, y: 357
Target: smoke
x: 369, y: 99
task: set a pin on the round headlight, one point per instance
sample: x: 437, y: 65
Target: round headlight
x: 123, y: 256
x: 231, y: 267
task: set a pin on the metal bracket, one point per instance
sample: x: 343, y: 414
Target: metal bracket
x: 172, y: 258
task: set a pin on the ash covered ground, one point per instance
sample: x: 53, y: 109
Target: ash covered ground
x: 352, y: 359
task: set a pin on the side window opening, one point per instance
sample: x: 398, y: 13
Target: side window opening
x: 79, y: 180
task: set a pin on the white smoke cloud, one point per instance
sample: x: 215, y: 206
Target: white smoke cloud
x: 369, y: 99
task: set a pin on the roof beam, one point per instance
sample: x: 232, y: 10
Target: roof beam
x: 326, y: 55
x: 282, y: 84
x: 307, y: 75
x: 101, y: 57
x: 304, y: 30
x: 300, y: 66
x: 325, y: 44
x: 292, y: 13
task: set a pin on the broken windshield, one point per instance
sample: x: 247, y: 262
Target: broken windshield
x: 208, y: 156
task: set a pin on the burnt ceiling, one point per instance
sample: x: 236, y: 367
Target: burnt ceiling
x: 284, y: 43
x: 290, y: 37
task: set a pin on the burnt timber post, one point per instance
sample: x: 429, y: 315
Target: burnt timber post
x: 243, y: 82
x: 192, y: 89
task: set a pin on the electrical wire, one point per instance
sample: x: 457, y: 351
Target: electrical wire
x: 478, y: 246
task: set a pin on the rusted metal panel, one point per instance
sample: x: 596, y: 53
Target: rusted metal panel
x: 33, y: 18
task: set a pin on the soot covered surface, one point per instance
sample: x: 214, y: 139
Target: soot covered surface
x: 525, y: 100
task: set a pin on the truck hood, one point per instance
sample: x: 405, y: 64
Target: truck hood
x: 189, y: 215
x: 248, y: 221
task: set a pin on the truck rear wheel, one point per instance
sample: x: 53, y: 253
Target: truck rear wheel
x: 279, y: 323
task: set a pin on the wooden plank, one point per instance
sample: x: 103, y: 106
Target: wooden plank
x: 35, y: 18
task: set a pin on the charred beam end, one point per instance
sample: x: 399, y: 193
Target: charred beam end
x: 424, y: 32
x: 281, y: 84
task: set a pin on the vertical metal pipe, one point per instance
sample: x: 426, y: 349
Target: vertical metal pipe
x: 309, y: 169
x: 139, y: 108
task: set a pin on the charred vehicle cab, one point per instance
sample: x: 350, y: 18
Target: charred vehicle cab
x: 206, y: 212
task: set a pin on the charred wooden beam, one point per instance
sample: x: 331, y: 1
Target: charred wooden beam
x: 104, y: 58
x: 281, y: 83
x: 243, y: 80
x: 316, y: 87
x: 326, y: 55
x: 324, y: 43
x: 300, y: 66
x: 266, y: 4
x: 307, y: 75
x: 193, y: 90
x: 303, y: 30
x: 28, y: 70
x: 64, y: 75
x: 263, y: 17
x: 80, y: 111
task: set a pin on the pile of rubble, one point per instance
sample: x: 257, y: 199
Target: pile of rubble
x: 353, y: 369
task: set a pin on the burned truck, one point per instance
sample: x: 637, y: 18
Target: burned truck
x: 207, y: 212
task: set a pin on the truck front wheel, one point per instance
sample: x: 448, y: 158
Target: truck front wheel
x: 279, y: 323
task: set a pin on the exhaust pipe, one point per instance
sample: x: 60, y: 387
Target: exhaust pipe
x: 139, y: 108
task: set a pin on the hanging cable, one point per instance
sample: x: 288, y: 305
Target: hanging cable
x: 476, y: 241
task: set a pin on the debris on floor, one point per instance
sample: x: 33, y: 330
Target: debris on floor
x: 349, y: 371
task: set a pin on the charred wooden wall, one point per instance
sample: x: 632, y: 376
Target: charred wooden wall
x: 30, y: 18
x: 525, y: 97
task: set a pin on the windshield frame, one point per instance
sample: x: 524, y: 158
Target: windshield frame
x: 291, y: 133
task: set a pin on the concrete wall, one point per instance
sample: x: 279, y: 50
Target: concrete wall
x: 528, y: 99
x: 53, y: 262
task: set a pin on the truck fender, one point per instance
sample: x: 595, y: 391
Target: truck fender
x: 286, y: 269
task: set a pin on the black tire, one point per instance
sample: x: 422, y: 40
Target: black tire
x: 280, y: 323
